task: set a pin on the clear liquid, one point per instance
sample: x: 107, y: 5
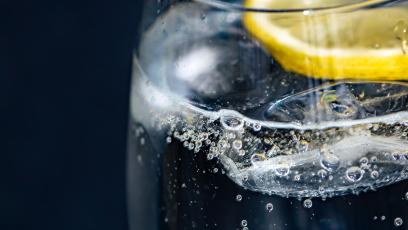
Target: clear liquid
x: 220, y: 125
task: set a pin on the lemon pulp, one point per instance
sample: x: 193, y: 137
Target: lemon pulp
x: 366, y: 44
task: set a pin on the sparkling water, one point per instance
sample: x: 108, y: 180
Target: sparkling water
x: 290, y: 143
x: 202, y: 86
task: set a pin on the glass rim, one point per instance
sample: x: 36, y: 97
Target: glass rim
x: 221, y: 4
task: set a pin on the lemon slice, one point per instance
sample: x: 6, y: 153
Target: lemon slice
x: 364, y: 44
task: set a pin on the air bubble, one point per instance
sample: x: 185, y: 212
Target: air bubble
x: 207, y: 142
x: 322, y: 173
x: 231, y: 135
x: 406, y: 196
x: 238, y: 198
x: 241, y: 152
x: 395, y: 156
x: 374, y: 174
x: 256, y: 127
x: 401, y: 33
x: 398, y: 222
x: 321, y: 189
x: 354, y: 174
x: 329, y: 161
x: 168, y: 140
x: 237, y: 144
x: 373, y: 159
x: 282, y: 169
x: 257, y: 158
x: 307, y: 203
x: 296, y: 177
x: 210, y: 156
x: 269, y: 207
x: 363, y: 161
x: 231, y: 122
x: 244, y: 223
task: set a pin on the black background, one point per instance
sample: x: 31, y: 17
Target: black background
x: 64, y: 87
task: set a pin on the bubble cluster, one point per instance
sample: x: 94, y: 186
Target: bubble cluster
x: 317, y: 162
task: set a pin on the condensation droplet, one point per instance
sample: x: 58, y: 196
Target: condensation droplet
x: 307, y: 203
x: 354, y: 174
x: 238, y: 198
x: 269, y: 207
x: 398, y: 221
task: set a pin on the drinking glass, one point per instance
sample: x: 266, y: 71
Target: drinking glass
x: 265, y: 114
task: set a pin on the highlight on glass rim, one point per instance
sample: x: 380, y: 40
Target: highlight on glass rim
x: 269, y: 114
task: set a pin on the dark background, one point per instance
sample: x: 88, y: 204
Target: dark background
x: 64, y: 87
